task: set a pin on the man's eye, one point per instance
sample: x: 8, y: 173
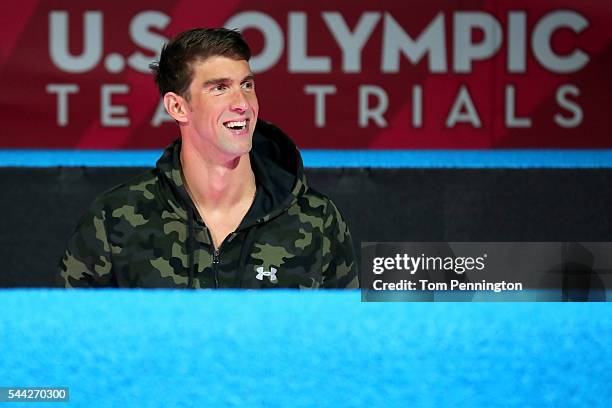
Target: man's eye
x: 219, y: 87
x: 248, y: 85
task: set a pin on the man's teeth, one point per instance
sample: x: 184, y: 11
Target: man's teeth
x: 236, y: 125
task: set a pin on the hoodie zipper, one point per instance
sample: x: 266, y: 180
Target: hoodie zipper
x: 216, y: 259
x: 215, y: 266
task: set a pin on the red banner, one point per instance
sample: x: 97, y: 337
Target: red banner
x: 381, y: 75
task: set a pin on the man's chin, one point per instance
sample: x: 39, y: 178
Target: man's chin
x: 238, y: 150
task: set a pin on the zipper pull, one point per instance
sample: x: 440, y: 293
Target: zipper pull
x: 216, y: 259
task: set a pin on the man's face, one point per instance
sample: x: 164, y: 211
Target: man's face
x: 223, y: 106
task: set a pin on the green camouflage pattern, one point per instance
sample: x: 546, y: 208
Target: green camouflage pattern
x: 138, y: 235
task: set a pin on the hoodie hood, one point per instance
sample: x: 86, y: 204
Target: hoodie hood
x: 276, y: 163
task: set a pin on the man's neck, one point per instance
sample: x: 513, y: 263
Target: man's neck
x: 216, y: 183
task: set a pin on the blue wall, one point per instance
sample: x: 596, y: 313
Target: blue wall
x: 296, y: 349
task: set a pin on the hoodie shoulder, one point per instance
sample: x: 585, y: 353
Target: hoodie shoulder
x: 314, y: 199
x: 315, y: 208
x: 141, y: 188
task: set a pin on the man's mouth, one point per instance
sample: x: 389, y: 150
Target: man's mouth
x: 237, y: 125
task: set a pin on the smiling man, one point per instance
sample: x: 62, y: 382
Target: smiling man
x: 227, y: 204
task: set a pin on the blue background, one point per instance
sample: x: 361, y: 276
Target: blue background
x: 297, y: 349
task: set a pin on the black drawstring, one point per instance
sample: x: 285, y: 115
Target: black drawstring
x: 190, y: 251
x: 244, y: 252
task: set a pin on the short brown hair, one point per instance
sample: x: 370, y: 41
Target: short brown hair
x: 173, y: 72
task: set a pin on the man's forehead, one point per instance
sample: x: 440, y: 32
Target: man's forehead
x: 222, y: 67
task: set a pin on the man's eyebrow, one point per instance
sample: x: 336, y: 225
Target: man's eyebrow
x: 216, y: 81
x: 249, y: 77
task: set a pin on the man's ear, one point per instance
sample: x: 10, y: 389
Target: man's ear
x: 176, y: 106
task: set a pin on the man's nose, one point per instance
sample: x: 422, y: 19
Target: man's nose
x: 239, y: 102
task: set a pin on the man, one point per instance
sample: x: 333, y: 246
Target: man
x: 227, y: 205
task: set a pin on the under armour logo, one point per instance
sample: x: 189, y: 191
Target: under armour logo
x: 271, y: 274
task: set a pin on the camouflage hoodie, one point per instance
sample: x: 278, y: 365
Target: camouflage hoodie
x: 147, y: 232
